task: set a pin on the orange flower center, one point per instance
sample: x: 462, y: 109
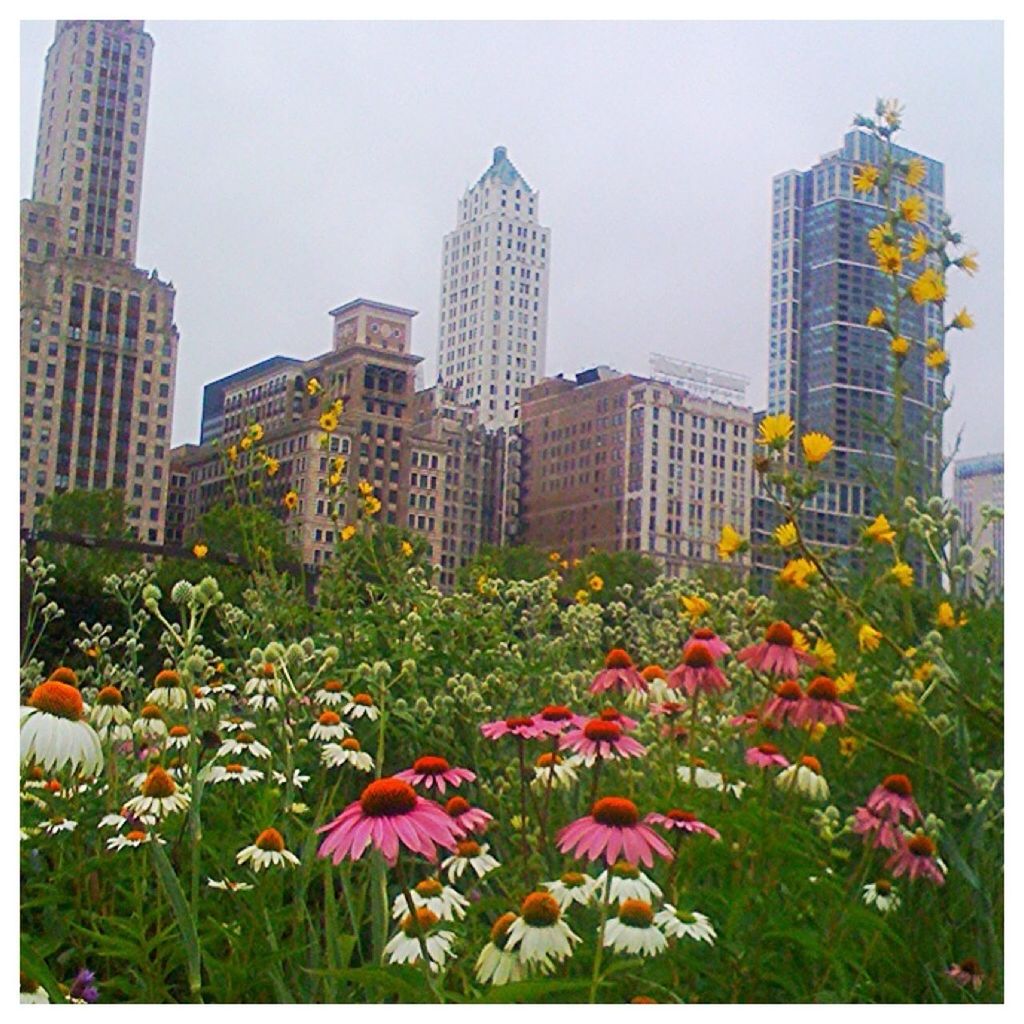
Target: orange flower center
x: 178, y: 730
x: 811, y: 762
x: 615, y: 810
x: 573, y: 879
x: 429, y: 887
x: 268, y: 670
x: 768, y: 748
x: 430, y: 765
x: 423, y: 921
x: 135, y: 836
x: 158, y: 783
x: 676, y: 815
x: 364, y: 699
x: 598, y: 729
x: 883, y: 886
x: 556, y: 713
x: 540, y: 910
x: 637, y: 913
x: 270, y: 839
x: 500, y: 927
x: 350, y: 744
x: 234, y: 769
x: 518, y: 721
x: 467, y: 848
x: 54, y: 786
x: 456, y: 806
x: 921, y: 846
x: 698, y: 655
x: 109, y: 695
x: 703, y: 634
x: 386, y: 798
x: 166, y: 678
x: 63, y: 674
x: 332, y: 686
x: 653, y: 672
x: 779, y: 633
x: 624, y: 869
x: 56, y: 698
x: 244, y: 738
x: 899, y: 784
x: 789, y: 690
x: 548, y: 759
x: 329, y: 718
x: 151, y: 711
x: 822, y: 688
x: 617, y: 658
x: 35, y: 773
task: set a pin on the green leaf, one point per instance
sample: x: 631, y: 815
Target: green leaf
x: 182, y: 914
x: 35, y: 967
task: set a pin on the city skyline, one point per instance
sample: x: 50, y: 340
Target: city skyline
x: 251, y: 287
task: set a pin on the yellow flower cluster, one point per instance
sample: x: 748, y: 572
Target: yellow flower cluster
x: 797, y: 572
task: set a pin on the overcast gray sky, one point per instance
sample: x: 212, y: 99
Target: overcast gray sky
x: 292, y: 166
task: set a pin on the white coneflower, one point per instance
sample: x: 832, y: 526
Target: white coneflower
x: 262, y: 702
x: 555, y: 770
x: 131, y: 840
x: 59, y: 824
x: 53, y: 732
x: 150, y: 725
x: 496, y: 965
x: 329, y: 727
x: 203, y: 701
x: 633, y: 930
x: 331, y: 694
x: 539, y: 932
x: 347, y: 752
x: 298, y: 779
x: 235, y: 724
x: 125, y: 818
x: 228, y: 886
x: 572, y: 887
x: 444, y: 901
x: 469, y: 854
x: 404, y: 947
x: 109, y: 709
x: 682, y: 923
x: 361, y: 706
x: 628, y: 883
x: 167, y: 691
x: 238, y: 773
x: 805, y: 776
x: 32, y: 991
x: 882, y: 894
x: 705, y: 778
x: 243, y: 743
x: 178, y: 737
x: 268, y: 849
x: 160, y: 796
x: 264, y: 688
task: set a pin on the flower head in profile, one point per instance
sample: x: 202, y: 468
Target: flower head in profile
x: 914, y: 172
x: 968, y: 263
x: 54, y: 732
x: 539, y: 932
x: 600, y: 739
x: 963, y: 321
x: 765, y: 755
x: 912, y: 209
x: 695, y: 606
x: 329, y: 727
x: 431, y: 771
x: 893, y: 798
x: 816, y: 447
x: 876, y: 317
x: 681, y: 822
x: 882, y: 895
x: 572, y: 887
x: 916, y: 858
x: 361, y: 706
x: 945, y: 617
x: 555, y: 719
x: 159, y: 795
x: 348, y: 752
x: 698, y: 672
x: 389, y: 814
x: 469, y: 855
x: 711, y: 640
x: 966, y: 974
x: 497, y: 965
x: 775, y: 430
x: 465, y: 818
x: 868, y: 638
x: 730, y: 543
x: 613, y: 829
x: 619, y: 674
x: 777, y: 653
x: 686, y: 924
x: 919, y: 247
x: 416, y: 931
x: 523, y: 727
x: 444, y: 901
x: 633, y: 930
x: 797, y: 572
x: 928, y: 286
x: 880, y: 531
x: 785, y: 534
x: 821, y: 704
x: 805, y: 777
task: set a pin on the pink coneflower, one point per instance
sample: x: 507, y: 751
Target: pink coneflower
x: 967, y: 974
x: 435, y: 771
x: 669, y: 708
x: 613, y: 827
x: 601, y: 739
x: 916, y: 858
x: 765, y: 755
x: 388, y: 814
x: 682, y: 821
x: 626, y: 723
x: 619, y: 673
x: 711, y: 640
x: 698, y: 672
x: 556, y: 719
x: 466, y: 819
x: 521, y: 726
x: 893, y: 799
x: 821, y: 703
x: 783, y: 706
x: 749, y: 721
x: 776, y: 652
x: 876, y: 829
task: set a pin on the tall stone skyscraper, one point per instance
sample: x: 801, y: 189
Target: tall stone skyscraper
x: 827, y: 369
x: 98, y: 340
x: 494, y: 294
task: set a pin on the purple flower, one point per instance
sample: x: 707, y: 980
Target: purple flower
x: 83, y: 988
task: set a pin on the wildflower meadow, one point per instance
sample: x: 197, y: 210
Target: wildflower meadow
x: 599, y: 784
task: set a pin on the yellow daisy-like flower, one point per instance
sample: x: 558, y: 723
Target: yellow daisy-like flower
x: 730, y: 542
x: 365, y: 488
x: 582, y: 596
x: 906, y: 704
x: 595, y: 582
x: 313, y: 386
x: 891, y: 112
x: 200, y: 550
x: 564, y: 564
x: 290, y: 501
x: 880, y: 531
x: 963, y: 320
x: 924, y: 671
x: 929, y: 287
x: 554, y: 557
x: 577, y: 562
x: 868, y: 638
x: 797, y: 572
x: 337, y: 407
x: 919, y: 247
x: 800, y: 641
x: 816, y: 447
x: 776, y: 430
x: 889, y: 258
x: 232, y: 453
x: 816, y: 733
x: 968, y: 262
x: 848, y: 746
x: 92, y: 652
x: 945, y: 617
x: 246, y: 443
x: 371, y: 505
x: 328, y: 421
x: 879, y: 235
x: 936, y: 359
x: 903, y: 574
x: 348, y: 532
x: 273, y: 465
x: 846, y: 682
x: 899, y: 346
x: 695, y: 606
x: 785, y: 534
x: 876, y: 318
x: 334, y: 480
x: 256, y: 431
x: 912, y: 208
x: 825, y: 653
x: 865, y: 178
x: 406, y: 549
x: 915, y: 171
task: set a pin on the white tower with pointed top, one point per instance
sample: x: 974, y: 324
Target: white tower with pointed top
x: 492, y: 335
